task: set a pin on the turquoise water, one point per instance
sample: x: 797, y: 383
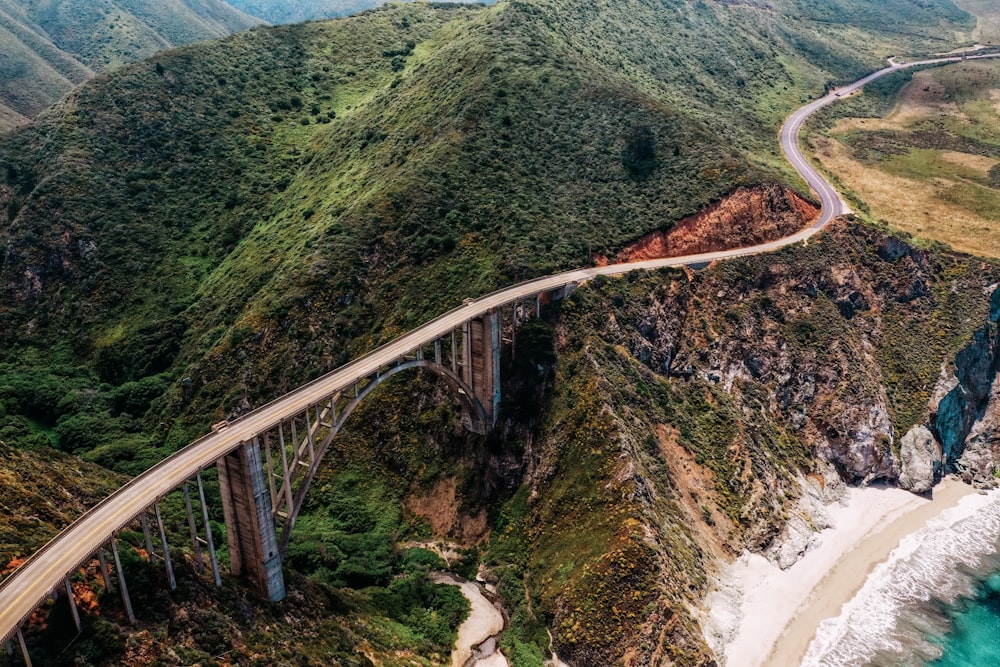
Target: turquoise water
x: 934, y: 603
x: 974, y: 637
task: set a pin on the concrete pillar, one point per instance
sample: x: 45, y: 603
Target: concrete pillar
x: 166, y: 548
x: 121, y: 583
x: 199, y: 563
x: 208, y: 533
x: 246, y: 504
x: 483, y: 355
x: 494, y: 385
x: 104, y: 569
x: 24, y: 647
x: 467, y: 353
x: 72, y: 606
x: 513, y: 332
x: 149, y: 540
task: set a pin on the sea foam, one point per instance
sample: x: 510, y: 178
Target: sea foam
x: 936, y: 563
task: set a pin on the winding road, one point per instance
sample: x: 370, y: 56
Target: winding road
x: 46, y: 570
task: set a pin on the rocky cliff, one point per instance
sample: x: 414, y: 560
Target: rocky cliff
x: 689, y: 409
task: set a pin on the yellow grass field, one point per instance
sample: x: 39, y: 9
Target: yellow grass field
x: 929, y: 167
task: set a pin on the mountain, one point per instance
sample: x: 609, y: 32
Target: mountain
x: 189, y: 236
x: 289, y: 11
x: 48, y: 47
x: 292, y: 11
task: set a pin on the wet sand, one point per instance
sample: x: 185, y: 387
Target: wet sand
x: 779, y: 611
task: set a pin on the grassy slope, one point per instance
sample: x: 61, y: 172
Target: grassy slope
x: 9, y: 118
x: 927, y: 164
x: 428, y: 186
x: 48, y: 47
x: 988, y: 20
x: 42, y: 491
x: 32, y: 67
x: 683, y: 408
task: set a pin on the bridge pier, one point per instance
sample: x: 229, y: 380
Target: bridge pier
x: 481, y: 362
x: 208, y: 533
x: 166, y: 548
x: 149, y: 539
x: 105, y: 574
x: 121, y: 583
x: 246, y: 504
x: 193, y: 528
x: 24, y: 648
x: 72, y: 606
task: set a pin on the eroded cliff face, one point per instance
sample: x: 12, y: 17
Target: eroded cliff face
x: 748, y: 216
x: 697, y: 414
x: 964, y: 408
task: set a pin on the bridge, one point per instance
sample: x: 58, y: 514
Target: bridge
x: 268, y: 458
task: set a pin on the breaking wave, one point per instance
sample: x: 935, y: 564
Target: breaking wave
x: 903, y: 601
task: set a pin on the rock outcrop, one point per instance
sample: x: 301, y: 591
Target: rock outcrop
x: 921, y: 460
x: 965, y: 419
x: 800, y: 534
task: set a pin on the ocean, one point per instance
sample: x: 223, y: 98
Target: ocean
x: 934, y: 603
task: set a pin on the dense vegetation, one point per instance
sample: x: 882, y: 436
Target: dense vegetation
x: 377, y: 170
x: 189, y: 236
x: 46, y: 48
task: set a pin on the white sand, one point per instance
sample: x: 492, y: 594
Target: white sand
x: 773, y: 614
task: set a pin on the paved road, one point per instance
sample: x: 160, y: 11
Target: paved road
x: 832, y: 204
x: 45, y: 570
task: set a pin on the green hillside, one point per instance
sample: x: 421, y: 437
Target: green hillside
x: 48, y: 47
x: 189, y: 236
x: 381, y: 168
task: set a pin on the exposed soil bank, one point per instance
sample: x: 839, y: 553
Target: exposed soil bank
x: 748, y: 216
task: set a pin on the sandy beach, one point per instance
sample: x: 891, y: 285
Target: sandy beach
x: 768, y: 616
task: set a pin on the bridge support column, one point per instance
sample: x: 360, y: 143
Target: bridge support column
x: 193, y: 527
x: 149, y: 540
x: 24, y: 648
x: 104, y: 569
x: 166, y: 548
x: 246, y: 504
x: 121, y: 583
x: 481, y: 339
x: 72, y: 606
x: 208, y: 533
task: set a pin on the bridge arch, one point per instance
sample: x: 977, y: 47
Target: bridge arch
x: 474, y: 416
